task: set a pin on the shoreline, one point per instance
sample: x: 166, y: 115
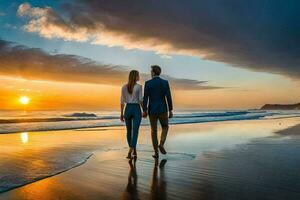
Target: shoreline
x: 143, y: 125
x: 49, y: 176
x: 294, y: 130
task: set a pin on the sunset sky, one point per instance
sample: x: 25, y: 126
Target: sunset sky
x: 217, y: 54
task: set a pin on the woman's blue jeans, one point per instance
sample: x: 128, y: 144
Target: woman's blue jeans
x: 133, y: 118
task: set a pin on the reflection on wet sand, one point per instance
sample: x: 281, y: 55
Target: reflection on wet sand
x: 24, y: 137
x: 159, y: 184
x: 131, y: 191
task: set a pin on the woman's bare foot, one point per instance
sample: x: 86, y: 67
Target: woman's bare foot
x: 129, y: 153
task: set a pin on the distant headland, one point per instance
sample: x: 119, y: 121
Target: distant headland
x: 281, y: 107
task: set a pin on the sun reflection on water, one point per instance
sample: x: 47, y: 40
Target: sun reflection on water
x: 24, y: 137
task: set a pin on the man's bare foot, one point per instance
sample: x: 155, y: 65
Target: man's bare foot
x: 156, y: 155
x: 162, y: 149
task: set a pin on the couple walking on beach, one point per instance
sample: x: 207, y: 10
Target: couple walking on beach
x: 156, y: 103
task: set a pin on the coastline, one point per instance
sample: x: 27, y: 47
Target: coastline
x: 294, y: 130
x: 109, y: 168
x: 51, y: 175
x: 142, y: 125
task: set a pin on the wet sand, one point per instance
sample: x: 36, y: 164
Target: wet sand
x: 226, y: 160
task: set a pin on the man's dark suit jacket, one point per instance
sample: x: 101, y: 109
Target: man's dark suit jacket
x: 157, y: 93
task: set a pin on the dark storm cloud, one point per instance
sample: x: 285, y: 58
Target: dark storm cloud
x: 35, y: 64
x: 261, y: 35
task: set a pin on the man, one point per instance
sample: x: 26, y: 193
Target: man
x: 158, y: 105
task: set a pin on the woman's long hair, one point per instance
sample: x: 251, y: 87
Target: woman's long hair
x: 132, y: 79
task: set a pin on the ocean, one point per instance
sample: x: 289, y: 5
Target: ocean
x: 14, y: 122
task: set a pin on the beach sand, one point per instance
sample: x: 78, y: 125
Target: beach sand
x: 226, y: 160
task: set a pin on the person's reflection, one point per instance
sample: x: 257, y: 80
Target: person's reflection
x: 131, y: 191
x: 159, y: 185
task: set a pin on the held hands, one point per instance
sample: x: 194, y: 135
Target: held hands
x: 145, y: 114
x: 170, y: 114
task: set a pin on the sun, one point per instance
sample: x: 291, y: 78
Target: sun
x: 24, y: 100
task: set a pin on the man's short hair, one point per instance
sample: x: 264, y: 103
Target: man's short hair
x: 156, y: 70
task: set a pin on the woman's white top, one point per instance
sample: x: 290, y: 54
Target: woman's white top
x: 135, y: 97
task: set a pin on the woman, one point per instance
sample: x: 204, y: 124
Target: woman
x: 132, y: 96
